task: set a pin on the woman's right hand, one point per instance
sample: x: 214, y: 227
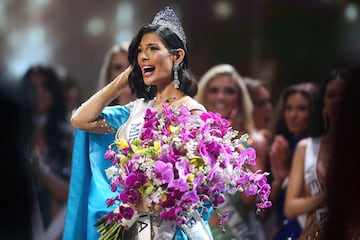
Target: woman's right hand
x: 122, y: 78
x: 279, y: 154
x: 86, y: 117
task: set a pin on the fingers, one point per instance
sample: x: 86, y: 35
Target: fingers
x: 128, y: 70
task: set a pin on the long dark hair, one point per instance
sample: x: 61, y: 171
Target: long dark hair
x: 57, y: 138
x: 343, y: 185
x: 188, y: 83
x: 319, y: 127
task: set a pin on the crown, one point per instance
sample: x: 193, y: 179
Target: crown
x: 167, y: 18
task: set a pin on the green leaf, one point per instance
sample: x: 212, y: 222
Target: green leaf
x: 149, y: 189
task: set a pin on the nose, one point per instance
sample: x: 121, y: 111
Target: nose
x: 293, y: 113
x: 220, y: 95
x: 142, y: 56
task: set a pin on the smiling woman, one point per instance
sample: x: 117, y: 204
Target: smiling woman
x: 223, y: 90
x: 158, y: 74
x: 292, y: 123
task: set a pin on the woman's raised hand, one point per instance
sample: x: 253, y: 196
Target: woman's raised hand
x: 279, y: 154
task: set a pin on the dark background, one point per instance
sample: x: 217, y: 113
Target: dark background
x: 280, y: 41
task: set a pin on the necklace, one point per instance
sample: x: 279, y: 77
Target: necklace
x: 167, y: 101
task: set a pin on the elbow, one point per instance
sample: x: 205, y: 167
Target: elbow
x: 289, y: 211
x: 75, y: 122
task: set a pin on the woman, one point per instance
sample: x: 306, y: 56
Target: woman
x: 158, y: 75
x: 223, y: 90
x: 49, y: 148
x: 115, y: 62
x: 305, y: 193
x: 342, y: 179
x: 292, y: 123
x: 259, y: 92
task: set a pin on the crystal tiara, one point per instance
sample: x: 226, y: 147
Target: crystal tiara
x: 167, y: 18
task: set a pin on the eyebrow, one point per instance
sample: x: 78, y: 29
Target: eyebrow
x: 150, y: 44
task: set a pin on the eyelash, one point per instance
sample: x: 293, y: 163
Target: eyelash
x: 152, y: 48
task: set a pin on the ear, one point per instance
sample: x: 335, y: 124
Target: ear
x: 179, y: 55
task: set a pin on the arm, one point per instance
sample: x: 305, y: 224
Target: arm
x: 55, y: 184
x: 86, y: 116
x: 295, y: 204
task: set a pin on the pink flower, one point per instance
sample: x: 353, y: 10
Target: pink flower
x: 164, y: 171
x: 251, y: 190
x: 249, y: 156
x: 110, y: 154
x: 178, y: 184
x: 183, y: 162
x: 130, y: 195
x: 223, y: 218
x: 126, y: 212
x: 135, y: 180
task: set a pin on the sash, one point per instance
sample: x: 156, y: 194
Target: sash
x: 237, y: 225
x: 195, y: 228
x: 311, y: 178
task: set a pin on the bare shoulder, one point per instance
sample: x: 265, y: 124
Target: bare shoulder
x: 191, y: 104
x: 302, y: 144
x: 301, y: 148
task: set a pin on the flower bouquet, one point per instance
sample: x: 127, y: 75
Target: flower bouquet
x: 180, y: 163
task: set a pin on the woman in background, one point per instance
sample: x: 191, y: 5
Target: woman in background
x: 306, y: 188
x: 222, y: 90
x: 115, y: 62
x: 49, y: 149
x: 260, y: 95
x: 292, y: 123
x: 342, y: 177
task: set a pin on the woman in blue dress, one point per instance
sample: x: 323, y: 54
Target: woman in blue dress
x: 158, y: 75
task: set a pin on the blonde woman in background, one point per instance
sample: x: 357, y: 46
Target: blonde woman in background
x: 222, y: 90
x: 260, y: 95
x: 115, y: 62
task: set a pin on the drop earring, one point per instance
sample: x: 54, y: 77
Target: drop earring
x: 176, y: 76
x: 148, y: 88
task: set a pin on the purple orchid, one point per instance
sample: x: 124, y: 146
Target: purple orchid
x: 164, y: 171
x: 178, y: 184
x: 135, y: 180
x: 110, y: 154
x: 181, y: 162
x: 126, y: 212
x: 190, y: 197
x: 130, y: 195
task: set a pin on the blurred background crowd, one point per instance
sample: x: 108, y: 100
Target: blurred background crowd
x: 260, y: 64
x: 280, y: 41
